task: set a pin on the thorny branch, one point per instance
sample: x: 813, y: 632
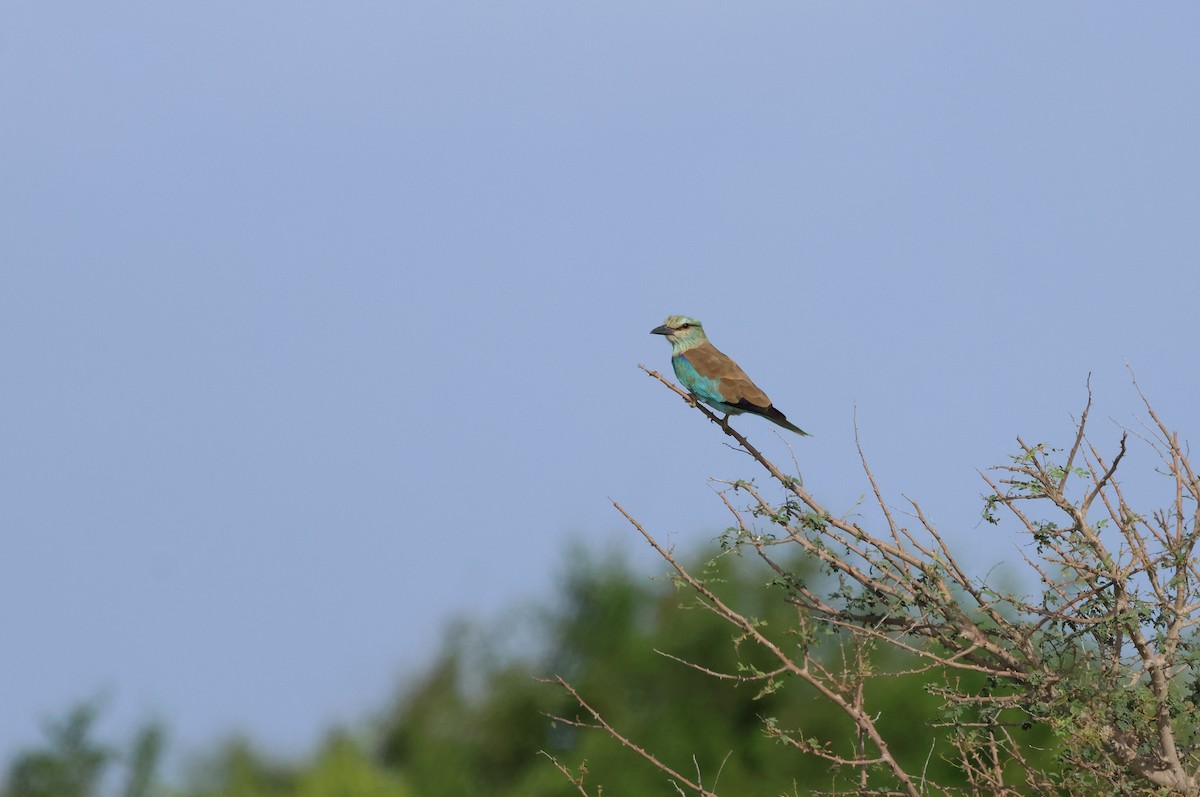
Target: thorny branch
x: 598, y: 721
x: 1103, y: 656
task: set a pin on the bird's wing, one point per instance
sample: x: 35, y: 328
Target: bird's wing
x: 736, y: 388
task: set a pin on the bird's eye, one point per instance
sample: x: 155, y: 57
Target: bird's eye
x: 685, y: 326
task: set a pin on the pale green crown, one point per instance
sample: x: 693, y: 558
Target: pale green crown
x: 686, y: 332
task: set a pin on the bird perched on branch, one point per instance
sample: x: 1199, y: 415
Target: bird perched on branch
x: 712, y: 377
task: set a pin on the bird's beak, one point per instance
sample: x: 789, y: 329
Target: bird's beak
x: 663, y: 330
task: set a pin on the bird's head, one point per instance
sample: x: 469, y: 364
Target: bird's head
x: 682, y: 332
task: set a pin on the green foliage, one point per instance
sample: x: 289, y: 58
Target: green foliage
x: 71, y: 765
x: 342, y: 767
x: 603, y: 636
x: 478, y: 720
x: 345, y: 769
x: 474, y: 725
x: 145, y: 753
x: 240, y: 770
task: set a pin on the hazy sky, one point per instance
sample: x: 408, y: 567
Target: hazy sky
x: 319, y: 323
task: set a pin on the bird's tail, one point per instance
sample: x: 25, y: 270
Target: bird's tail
x: 794, y: 428
x: 778, y: 418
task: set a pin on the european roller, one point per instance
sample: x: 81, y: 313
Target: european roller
x: 712, y: 377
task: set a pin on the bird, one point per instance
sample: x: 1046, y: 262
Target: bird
x: 712, y: 377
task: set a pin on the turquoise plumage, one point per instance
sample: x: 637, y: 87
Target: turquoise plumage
x: 710, y: 376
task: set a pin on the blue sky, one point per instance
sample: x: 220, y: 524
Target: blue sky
x: 320, y: 322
